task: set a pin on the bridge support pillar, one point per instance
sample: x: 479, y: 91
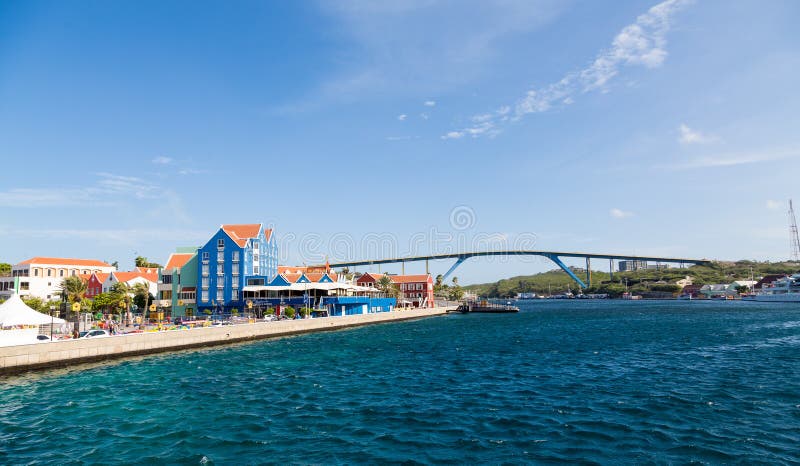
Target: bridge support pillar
x: 453, y: 268
x: 611, y: 270
x: 402, y: 268
x: 566, y: 269
x: 589, y: 271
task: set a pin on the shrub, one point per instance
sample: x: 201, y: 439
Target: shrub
x: 289, y: 312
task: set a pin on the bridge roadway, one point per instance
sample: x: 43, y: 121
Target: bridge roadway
x: 554, y: 256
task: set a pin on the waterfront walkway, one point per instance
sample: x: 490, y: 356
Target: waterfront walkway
x: 14, y: 359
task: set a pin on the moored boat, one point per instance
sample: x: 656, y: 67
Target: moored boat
x: 783, y: 290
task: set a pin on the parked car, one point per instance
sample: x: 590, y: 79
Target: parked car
x: 42, y: 338
x: 95, y: 334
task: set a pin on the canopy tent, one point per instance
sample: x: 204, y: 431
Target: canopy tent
x: 15, y: 312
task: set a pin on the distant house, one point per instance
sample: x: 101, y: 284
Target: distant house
x: 692, y: 291
x: 42, y: 276
x: 94, y: 284
x: 416, y: 290
x: 132, y: 278
x: 768, y: 280
x: 717, y: 290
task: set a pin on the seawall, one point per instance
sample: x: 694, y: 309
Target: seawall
x: 23, y: 358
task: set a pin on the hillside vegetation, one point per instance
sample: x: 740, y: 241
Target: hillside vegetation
x: 640, y: 281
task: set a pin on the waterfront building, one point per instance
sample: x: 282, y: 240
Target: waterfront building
x: 416, y: 290
x: 132, y: 278
x: 41, y: 277
x: 177, y: 284
x: 94, y: 283
x: 237, y: 255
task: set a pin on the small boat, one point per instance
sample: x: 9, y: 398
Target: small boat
x: 486, y: 307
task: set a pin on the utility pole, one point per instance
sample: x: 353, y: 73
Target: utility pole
x: 793, y: 237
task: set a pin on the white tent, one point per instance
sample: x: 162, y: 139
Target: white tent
x: 15, y: 312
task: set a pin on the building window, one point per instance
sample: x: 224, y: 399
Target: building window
x: 204, y: 296
x: 235, y: 256
x: 61, y: 273
x: 205, y: 282
x: 255, y: 269
x: 255, y: 245
x: 205, y: 256
x: 235, y: 295
x: 235, y: 282
x: 220, y: 244
x: 221, y: 256
x: 419, y: 286
x: 49, y: 272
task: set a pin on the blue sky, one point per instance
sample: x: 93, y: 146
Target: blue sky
x: 366, y: 129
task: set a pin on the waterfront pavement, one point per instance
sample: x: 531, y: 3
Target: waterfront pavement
x: 14, y: 359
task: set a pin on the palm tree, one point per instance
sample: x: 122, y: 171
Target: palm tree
x: 121, y: 293
x: 141, y: 294
x: 75, y: 288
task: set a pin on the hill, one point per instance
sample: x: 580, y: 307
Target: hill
x: 557, y: 281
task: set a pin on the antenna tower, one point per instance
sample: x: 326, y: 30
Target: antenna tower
x: 793, y: 237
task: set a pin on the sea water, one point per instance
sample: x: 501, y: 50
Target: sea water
x: 580, y: 381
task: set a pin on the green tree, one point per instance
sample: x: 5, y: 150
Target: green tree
x: 289, y: 312
x: 37, y: 304
x: 144, y: 263
x: 141, y: 295
x: 75, y: 288
x: 304, y: 312
x: 5, y: 269
x: 270, y: 311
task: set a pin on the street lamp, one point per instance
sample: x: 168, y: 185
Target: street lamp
x: 52, y: 320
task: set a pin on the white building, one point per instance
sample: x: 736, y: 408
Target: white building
x: 41, y: 277
x: 132, y: 278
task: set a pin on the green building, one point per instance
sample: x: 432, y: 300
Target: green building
x: 177, y: 284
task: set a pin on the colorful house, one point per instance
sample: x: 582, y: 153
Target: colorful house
x: 177, y: 284
x: 237, y: 255
x: 94, y: 283
x: 416, y: 290
x: 132, y: 278
x: 42, y: 276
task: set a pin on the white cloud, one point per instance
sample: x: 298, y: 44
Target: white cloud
x: 453, y: 135
x: 191, y: 171
x: 642, y: 43
x: 773, y: 205
x: 734, y: 159
x: 429, y: 103
x: 402, y: 117
x: 108, y: 189
x: 424, y: 116
x: 162, y: 160
x: 690, y: 136
x: 619, y: 213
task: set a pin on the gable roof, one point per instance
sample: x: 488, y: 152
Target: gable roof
x: 409, y: 278
x: 369, y: 275
x: 128, y: 276
x: 65, y: 261
x: 101, y: 277
x: 177, y: 260
x: 240, y: 233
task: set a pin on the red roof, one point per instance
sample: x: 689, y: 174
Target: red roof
x: 241, y: 233
x: 369, y: 277
x: 409, y: 278
x: 101, y: 277
x: 292, y: 277
x: 64, y: 261
x: 128, y: 276
x: 177, y: 260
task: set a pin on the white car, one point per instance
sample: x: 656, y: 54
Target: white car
x: 96, y: 334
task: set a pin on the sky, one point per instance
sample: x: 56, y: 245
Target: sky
x: 363, y: 129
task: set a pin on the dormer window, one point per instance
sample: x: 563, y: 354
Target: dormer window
x: 220, y: 244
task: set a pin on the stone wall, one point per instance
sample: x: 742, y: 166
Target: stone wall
x: 22, y: 358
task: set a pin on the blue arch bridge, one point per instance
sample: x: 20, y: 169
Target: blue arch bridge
x: 554, y: 256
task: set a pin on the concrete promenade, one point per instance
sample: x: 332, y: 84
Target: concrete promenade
x: 22, y: 358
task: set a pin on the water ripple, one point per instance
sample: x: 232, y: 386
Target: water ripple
x: 588, y: 382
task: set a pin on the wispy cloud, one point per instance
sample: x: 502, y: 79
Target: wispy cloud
x: 619, y: 213
x: 642, y: 43
x: 402, y: 117
x: 734, y: 159
x: 107, y: 190
x: 773, y: 205
x: 429, y: 103
x: 162, y: 160
x: 191, y: 171
x: 690, y: 136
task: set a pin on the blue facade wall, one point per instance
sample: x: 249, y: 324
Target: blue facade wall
x: 222, y: 292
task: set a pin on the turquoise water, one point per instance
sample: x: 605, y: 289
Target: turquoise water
x: 594, y: 381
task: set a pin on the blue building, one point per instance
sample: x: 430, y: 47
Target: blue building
x: 235, y: 256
